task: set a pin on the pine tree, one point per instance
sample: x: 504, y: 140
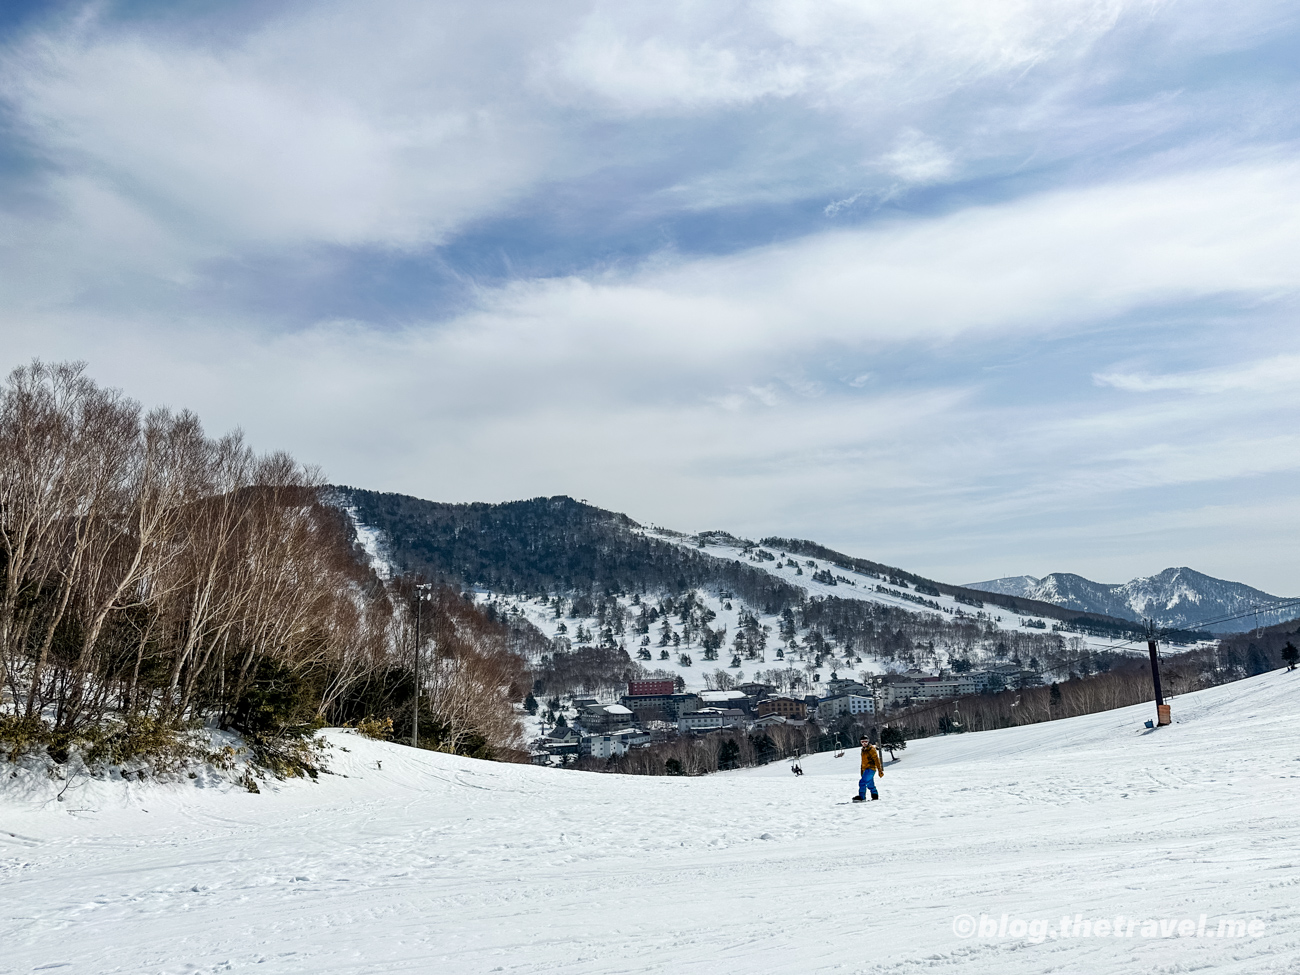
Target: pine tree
x: 728, y: 754
x: 892, y: 740
x: 1290, y: 654
x: 665, y: 633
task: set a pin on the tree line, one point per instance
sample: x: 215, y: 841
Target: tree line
x: 152, y: 574
x: 1120, y: 681
x: 716, y: 751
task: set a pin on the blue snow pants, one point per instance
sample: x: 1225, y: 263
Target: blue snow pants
x: 867, y: 783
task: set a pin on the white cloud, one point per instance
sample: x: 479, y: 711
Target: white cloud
x: 674, y: 57
x: 1038, y: 264
x: 400, y: 124
x: 699, y: 339
x: 916, y: 159
x: 835, y: 206
x: 1280, y: 372
x: 324, y: 129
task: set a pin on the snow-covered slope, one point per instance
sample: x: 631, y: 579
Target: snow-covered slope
x: 818, y: 578
x: 1176, y: 597
x: 590, y: 579
x: 410, y: 861
x: 849, y: 584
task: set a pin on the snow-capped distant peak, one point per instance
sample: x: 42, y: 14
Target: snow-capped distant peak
x: 1175, y: 597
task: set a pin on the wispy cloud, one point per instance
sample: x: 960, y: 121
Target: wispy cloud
x: 1266, y: 375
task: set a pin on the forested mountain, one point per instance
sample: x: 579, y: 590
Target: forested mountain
x: 559, y: 545
x: 594, y: 599
x: 1178, y: 597
x: 549, y: 545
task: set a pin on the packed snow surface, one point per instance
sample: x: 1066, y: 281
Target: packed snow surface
x: 406, y: 861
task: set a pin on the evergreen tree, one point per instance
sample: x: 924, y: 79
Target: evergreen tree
x: 1290, y: 654
x: 728, y: 754
x: 787, y: 624
x: 892, y: 740
x: 665, y: 633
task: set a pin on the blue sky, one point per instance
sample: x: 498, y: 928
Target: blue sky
x: 976, y: 289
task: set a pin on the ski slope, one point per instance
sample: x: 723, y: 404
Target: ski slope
x: 862, y: 586
x: 419, y: 862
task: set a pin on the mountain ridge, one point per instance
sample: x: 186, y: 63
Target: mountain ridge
x: 558, y: 544
x: 1177, y: 596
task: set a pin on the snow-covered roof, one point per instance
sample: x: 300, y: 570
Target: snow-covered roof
x: 617, y: 709
x: 721, y: 695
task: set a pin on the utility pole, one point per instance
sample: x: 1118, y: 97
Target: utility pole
x: 877, y: 705
x: 1162, y: 709
x: 420, y: 590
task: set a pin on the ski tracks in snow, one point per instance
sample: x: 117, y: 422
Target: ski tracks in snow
x: 437, y: 863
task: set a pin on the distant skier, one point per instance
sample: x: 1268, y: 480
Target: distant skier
x: 870, y: 766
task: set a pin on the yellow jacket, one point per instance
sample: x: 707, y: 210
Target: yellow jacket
x: 871, y: 759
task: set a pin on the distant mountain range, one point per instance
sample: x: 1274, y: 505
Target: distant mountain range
x: 1178, y: 597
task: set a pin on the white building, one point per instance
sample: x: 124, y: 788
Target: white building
x: 606, y: 746
x: 916, y: 689
x: 722, y: 699
x: 705, y: 719
x: 710, y: 719
x: 604, y: 717
x: 838, y: 705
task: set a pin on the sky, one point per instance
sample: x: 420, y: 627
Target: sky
x: 972, y: 289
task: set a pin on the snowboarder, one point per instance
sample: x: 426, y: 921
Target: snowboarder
x: 870, y: 766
